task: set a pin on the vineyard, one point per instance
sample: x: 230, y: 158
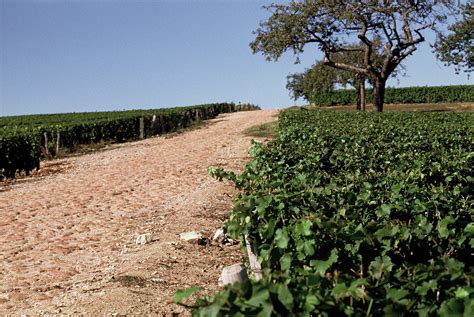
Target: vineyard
x: 24, y: 140
x: 359, y: 214
x: 432, y: 94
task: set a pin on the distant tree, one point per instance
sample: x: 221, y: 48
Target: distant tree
x: 323, y: 78
x: 318, y: 78
x: 457, y: 48
x: 351, y: 26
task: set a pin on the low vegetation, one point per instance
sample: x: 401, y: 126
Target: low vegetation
x: 266, y: 130
x: 24, y: 140
x: 407, y: 95
x: 361, y: 214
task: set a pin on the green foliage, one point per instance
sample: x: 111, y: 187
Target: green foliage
x: 321, y: 78
x: 457, y: 47
x: 317, y: 79
x: 361, y: 214
x: 21, y: 136
x: 266, y: 130
x: 384, y: 33
x: 183, y: 294
x: 433, y: 94
x: 19, y: 150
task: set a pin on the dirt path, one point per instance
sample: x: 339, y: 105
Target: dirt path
x: 67, y: 240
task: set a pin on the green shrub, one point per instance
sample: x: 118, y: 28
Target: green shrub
x: 361, y: 214
x: 433, y: 94
x: 21, y: 136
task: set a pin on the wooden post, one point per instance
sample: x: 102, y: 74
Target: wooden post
x: 153, y: 125
x: 362, y: 94
x: 142, y: 128
x: 39, y: 149
x: 46, y: 151
x: 58, y: 139
x: 254, y: 265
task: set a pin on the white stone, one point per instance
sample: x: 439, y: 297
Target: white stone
x: 232, y: 274
x: 219, y: 235
x: 157, y: 280
x: 190, y: 236
x: 144, y: 238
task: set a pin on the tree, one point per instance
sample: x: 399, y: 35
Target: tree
x: 457, y: 48
x: 321, y: 78
x: 337, y: 26
x: 318, y: 78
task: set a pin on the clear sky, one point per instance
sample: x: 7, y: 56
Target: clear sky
x: 91, y: 55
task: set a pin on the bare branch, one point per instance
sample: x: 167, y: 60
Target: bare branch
x: 395, y: 31
x: 368, y: 46
x: 405, y: 55
x: 346, y: 67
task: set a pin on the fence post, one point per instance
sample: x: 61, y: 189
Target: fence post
x: 46, y: 151
x: 39, y: 149
x: 254, y: 264
x: 153, y: 125
x: 58, y: 139
x: 142, y: 128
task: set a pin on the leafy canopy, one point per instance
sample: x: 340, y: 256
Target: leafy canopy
x: 457, y: 48
x: 351, y: 26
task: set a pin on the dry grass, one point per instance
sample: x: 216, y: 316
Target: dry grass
x: 266, y: 130
x: 455, y: 107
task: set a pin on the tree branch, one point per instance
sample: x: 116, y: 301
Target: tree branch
x: 405, y: 55
x: 347, y: 67
x: 395, y: 31
x: 368, y: 46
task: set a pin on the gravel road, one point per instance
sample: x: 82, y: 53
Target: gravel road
x: 68, y: 239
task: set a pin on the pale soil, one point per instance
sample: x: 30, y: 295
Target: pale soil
x: 67, y: 239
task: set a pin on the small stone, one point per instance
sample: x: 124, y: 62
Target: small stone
x: 232, y: 274
x: 190, y: 236
x: 157, y: 280
x: 4, y: 298
x: 144, y: 238
x: 219, y: 235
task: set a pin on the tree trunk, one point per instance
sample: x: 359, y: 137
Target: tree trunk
x: 362, y: 94
x: 379, y: 93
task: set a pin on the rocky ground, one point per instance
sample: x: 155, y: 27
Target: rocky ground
x: 68, y: 236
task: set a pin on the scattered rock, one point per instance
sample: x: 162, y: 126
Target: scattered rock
x: 219, y: 235
x: 223, y: 238
x: 4, y: 298
x: 232, y: 274
x: 144, y: 238
x: 229, y: 241
x: 157, y: 280
x: 190, y: 236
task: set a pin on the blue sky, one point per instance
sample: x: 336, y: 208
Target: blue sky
x: 74, y: 56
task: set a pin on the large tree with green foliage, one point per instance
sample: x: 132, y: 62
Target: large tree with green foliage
x: 457, y: 47
x: 321, y: 78
x: 337, y: 26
